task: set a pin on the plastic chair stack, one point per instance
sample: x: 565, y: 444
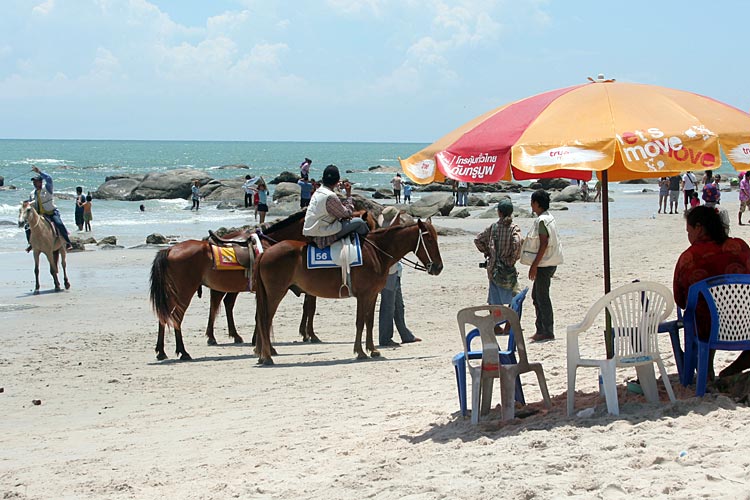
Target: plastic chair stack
x: 484, y: 318
x: 636, y: 310
x: 727, y: 298
x: 508, y: 356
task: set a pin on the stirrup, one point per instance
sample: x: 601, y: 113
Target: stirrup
x: 349, y: 291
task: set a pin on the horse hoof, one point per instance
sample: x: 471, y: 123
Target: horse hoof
x: 67, y: 285
x: 161, y: 356
x: 267, y: 362
x: 361, y: 356
x: 315, y: 340
x: 238, y: 340
x: 375, y: 354
x: 185, y: 357
x: 211, y: 341
x: 36, y: 292
x: 306, y: 339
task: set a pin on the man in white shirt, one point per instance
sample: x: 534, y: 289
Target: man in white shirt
x: 689, y: 185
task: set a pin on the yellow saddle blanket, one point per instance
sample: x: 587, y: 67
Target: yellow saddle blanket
x: 225, y: 259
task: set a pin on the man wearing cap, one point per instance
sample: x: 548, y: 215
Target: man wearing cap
x: 501, y: 245
x: 328, y: 219
x: 391, y: 300
x: 43, y: 201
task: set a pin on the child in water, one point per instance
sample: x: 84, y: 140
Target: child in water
x: 87, y: 217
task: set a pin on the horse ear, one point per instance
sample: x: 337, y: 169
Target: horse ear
x: 429, y: 220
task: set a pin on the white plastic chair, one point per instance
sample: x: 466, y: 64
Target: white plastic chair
x: 636, y: 310
x: 483, y: 374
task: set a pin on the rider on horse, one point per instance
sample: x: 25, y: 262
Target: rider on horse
x: 327, y: 218
x: 43, y: 201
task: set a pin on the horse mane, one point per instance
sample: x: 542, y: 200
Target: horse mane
x: 281, y: 224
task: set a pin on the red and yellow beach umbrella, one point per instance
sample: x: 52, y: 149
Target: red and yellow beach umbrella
x: 629, y: 130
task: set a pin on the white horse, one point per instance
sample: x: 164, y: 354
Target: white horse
x: 44, y: 239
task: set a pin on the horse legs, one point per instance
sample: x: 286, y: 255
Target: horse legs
x: 36, y: 272
x: 216, y: 297
x: 229, y: 300
x: 160, y: 354
x: 361, y: 307
x: 63, y: 258
x: 264, y: 322
x: 369, y: 320
x: 53, y: 268
x: 179, y: 346
x: 306, y: 325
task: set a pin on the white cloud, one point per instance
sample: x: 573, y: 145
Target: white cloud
x: 5, y: 51
x: 227, y: 21
x: 357, y: 6
x: 44, y: 8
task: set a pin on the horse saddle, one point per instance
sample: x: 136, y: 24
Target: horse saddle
x: 52, y: 226
x: 242, y: 241
x: 237, y: 257
x: 344, y: 253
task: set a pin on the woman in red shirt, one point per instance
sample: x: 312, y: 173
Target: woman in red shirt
x: 711, y: 253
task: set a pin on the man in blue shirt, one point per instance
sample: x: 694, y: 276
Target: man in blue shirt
x: 305, y: 194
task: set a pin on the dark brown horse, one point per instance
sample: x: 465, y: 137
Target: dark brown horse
x: 177, y: 273
x: 285, y: 229
x: 284, y: 265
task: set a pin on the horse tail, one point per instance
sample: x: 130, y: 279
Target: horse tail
x: 162, y: 288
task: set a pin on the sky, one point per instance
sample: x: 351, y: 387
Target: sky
x: 339, y: 70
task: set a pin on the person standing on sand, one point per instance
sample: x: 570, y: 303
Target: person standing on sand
x: 744, y: 194
x: 674, y: 193
x: 663, y: 194
x: 543, y: 244
x: 500, y: 244
x: 43, y: 200
x: 391, y: 300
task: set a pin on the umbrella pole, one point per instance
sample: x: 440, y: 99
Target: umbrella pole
x: 608, y: 340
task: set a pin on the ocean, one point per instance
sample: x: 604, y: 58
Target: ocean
x: 87, y: 163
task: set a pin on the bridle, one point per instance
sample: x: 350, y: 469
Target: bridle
x: 415, y: 265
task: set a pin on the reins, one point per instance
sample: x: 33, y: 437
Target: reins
x: 415, y: 265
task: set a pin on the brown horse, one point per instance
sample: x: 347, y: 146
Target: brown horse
x: 44, y: 240
x: 177, y: 273
x: 285, y: 229
x: 284, y: 265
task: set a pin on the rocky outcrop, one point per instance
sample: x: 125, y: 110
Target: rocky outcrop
x: 568, y: 195
x: 285, y: 177
x: 285, y: 190
x: 383, y: 193
x: 156, y: 239
x: 170, y: 184
x: 238, y: 166
x: 431, y: 204
x: 108, y: 240
x: 460, y: 212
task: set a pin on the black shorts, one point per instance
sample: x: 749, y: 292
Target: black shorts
x: 262, y: 207
x: 303, y: 202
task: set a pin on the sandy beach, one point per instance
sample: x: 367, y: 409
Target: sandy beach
x: 115, y: 423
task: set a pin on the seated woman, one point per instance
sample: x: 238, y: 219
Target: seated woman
x: 711, y: 253
x: 327, y: 218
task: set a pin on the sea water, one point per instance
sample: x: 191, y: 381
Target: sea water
x: 87, y: 163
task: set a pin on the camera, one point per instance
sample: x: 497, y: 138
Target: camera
x: 483, y: 265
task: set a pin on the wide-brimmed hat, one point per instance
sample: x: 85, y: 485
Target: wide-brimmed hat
x: 387, y: 216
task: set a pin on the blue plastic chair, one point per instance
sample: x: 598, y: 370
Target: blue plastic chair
x: 727, y: 297
x: 673, y: 327
x: 507, y: 357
